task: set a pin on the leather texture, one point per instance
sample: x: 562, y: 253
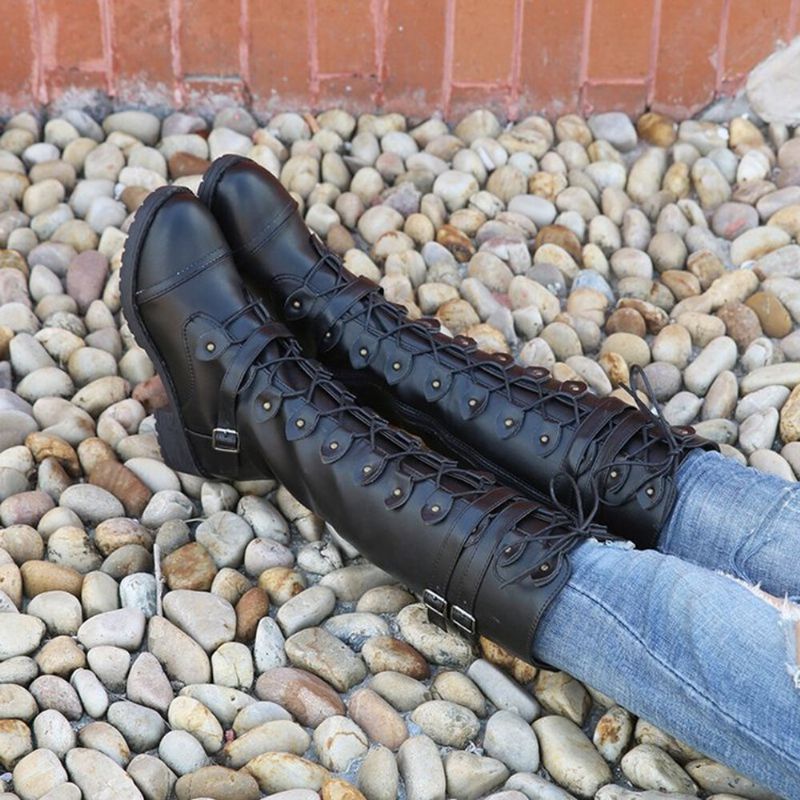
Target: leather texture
x: 484, y: 558
x: 483, y: 409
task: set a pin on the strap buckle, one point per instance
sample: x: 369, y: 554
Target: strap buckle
x: 436, y: 607
x: 225, y: 440
x: 464, y: 621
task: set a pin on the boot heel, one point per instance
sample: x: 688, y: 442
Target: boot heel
x: 173, y: 442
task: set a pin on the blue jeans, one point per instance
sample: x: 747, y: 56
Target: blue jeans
x: 700, y: 654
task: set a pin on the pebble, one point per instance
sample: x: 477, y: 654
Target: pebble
x: 38, y: 773
x: 377, y: 718
x: 319, y: 652
x: 422, y: 769
x: 510, y: 739
x: 282, y: 736
x: 183, y: 659
x: 651, y: 768
x: 378, y: 776
x: 182, y: 753
x: 446, y: 723
x: 503, y: 692
x: 569, y: 756
x: 305, y: 696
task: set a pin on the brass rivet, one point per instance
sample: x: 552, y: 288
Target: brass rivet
x: 266, y: 405
x: 211, y: 347
x: 334, y: 445
x: 363, y: 352
x: 397, y: 492
x: 614, y: 473
x: 301, y: 423
x: 396, y: 366
x: 436, y: 384
x: 295, y: 304
x: 544, y: 438
x: 436, y: 509
x: 509, y: 422
x: 649, y: 491
x: 473, y: 402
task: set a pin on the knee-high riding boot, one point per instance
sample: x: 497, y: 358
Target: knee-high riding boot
x: 485, y: 410
x: 243, y: 398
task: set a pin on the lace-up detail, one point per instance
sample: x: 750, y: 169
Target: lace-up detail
x: 655, y: 431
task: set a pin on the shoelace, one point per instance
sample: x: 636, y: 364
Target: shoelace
x: 460, y: 348
x: 664, y: 432
x: 569, y: 525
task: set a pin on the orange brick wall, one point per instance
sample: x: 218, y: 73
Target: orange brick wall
x: 414, y: 56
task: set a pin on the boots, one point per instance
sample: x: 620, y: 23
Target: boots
x: 485, y: 410
x: 244, y: 401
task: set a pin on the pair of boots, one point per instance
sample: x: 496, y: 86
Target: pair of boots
x: 487, y: 556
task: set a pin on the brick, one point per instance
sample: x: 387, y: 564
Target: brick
x: 619, y: 40
x: 345, y: 37
x: 413, y: 68
x: 754, y: 27
x: 484, y: 36
x: 464, y: 99
x: 142, y: 48
x: 72, y: 44
x: 209, y: 38
x: 688, y: 49
x: 354, y: 92
x: 551, y: 46
x: 16, y: 54
x: 629, y: 98
x: 279, y: 57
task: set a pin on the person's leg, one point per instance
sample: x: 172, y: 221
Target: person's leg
x: 736, y: 520
x: 693, y: 652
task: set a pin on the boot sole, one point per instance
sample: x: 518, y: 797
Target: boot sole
x: 170, y: 427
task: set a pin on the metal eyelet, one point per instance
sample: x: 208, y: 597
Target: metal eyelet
x: 396, y: 366
x: 301, y: 423
x: 436, y: 509
x: 327, y: 335
x: 508, y: 422
x: 367, y: 469
x: 363, y: 352
x: 436, y: 384
x: 334, y: 445
x: 296, y: 304
x: 266, y: 405
x: 544, y: 568
x: 508, y: 550
x: 211, y: 347
x: 649, y: 491
x: 397, y: 492
x: 544, y: 438
x: 613, y: 474
x: 472, y: 402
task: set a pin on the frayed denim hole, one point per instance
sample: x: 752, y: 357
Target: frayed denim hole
x: 763, y: 533
x: 788, y: 621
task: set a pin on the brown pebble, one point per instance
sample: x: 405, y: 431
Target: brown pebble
x: 151, y: 394
x: 741, y: 323
x: 385, y: 653
x: 458, y: 243
x: 657, y: 129
x: 772, y: 314
x: 86, y: 278
x: 337, y: 789
x: 252, y: 607
x: 563, y: 237
x: 377, y: 718
x: 306, y: 697
x: 189, y: 567
x: 123, y: 484
x: 47, y: 445
x: 45, y: 576
x: 183, y: 164
x: 627, y: 320
x: 339, y: 239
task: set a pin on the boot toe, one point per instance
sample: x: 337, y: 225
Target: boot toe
x: 181, y: 233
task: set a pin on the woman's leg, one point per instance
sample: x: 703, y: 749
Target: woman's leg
x: 737, y: 520
x: 693, y: 652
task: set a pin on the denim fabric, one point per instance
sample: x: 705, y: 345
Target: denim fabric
x: 694, y: 652
x: 736, y: 520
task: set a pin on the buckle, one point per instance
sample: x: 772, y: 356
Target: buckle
x: 463, y: 620
x: 225, y: 439
x: 436, y: 607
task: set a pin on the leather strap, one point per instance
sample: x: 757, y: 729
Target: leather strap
x: 352, y: 292
x: 607, y: 409
x: 453, y: 542
x: 252, y: 347
x: 477, y: 563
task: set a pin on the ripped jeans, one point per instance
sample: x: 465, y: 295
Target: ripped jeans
x: 704, y: 655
